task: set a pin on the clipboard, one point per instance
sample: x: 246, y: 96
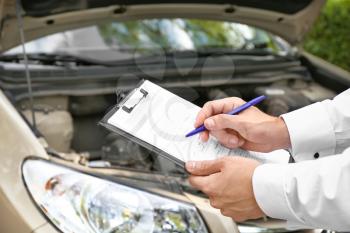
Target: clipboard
x: 158, y: 120
x: 129, y: 136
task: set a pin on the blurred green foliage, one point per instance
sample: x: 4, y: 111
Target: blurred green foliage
x: 330, y: 37
x: 181, y: 34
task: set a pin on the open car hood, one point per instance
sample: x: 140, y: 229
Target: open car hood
x: 290, y: 19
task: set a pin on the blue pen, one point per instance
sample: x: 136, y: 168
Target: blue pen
x: 233, y: 112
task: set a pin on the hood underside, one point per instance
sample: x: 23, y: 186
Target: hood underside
x: 290, y: 19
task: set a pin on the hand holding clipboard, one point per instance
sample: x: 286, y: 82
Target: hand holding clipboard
x: 158, y: 120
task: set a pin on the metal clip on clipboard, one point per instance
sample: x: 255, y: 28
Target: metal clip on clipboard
x: 135, y: 100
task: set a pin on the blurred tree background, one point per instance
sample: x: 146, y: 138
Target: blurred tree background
x: 330, y: 37
x: 150, y: 35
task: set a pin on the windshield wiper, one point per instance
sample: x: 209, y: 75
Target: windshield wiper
x: 152, y: 58
x: 219, y: 51
x: 53, y: 59
x: 170, y: 55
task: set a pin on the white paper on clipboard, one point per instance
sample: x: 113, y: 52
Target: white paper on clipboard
x: 162, y: 119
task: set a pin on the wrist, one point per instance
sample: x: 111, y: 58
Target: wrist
x: 282, y: 134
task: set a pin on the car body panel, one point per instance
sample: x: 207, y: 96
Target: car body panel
x: 17, y: 142
x: 291, y: 27
x: 326, y: 66
x: 327, y: 74
x: 18, y: 211
x: 46, y: 228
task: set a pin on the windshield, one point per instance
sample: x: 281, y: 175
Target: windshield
x: 123, y: 40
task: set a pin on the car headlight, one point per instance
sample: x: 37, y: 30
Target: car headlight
x: 77, y: 202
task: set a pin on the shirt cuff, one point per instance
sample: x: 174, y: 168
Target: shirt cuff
x: 311, y: 132
x: 268, y: 187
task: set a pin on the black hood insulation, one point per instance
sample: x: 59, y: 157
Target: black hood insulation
x: 47, y: 7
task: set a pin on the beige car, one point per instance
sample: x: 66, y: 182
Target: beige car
x: 62, y: 172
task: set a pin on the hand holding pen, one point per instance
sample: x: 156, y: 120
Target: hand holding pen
x: 248, y: 130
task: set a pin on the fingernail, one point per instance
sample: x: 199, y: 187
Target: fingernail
x: 233, y: 141
x: 209, y: 123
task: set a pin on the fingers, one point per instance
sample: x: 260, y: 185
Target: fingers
x: 237, y: 217
x: 228, y: 138
x: 205, y: 183
x: 217, y: 107
x: 204, y: 168
x: 224, y: 121
x: 241, y: 214
x: 204, y: 136
x: 198, y: 182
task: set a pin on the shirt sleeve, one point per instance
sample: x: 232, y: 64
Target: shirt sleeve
x: 320, y: 129
x: 309, y: 194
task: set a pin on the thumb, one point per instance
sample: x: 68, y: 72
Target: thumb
x: 204, y: 168
x: 224, y: 121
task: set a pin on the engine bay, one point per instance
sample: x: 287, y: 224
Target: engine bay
x: 70, y: 102
x: 70, y: 127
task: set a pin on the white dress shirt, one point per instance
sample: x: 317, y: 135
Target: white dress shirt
x: 314, y: 192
